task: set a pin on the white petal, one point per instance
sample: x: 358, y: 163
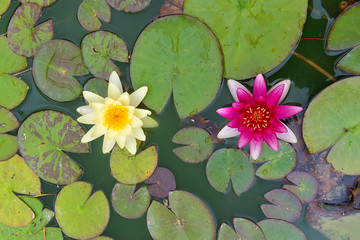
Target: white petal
x: 141, y: 113
x: 138, y: 133
x: 111, y: 133
x: 97, y: 107
x: 228, y: 132
x: 113, y: 91
x: 124, y: 99
x: 233, y: 86
x: 120, y: 139
x: 114, y: 79
x: 137, y: 96
x: 136, y: 122
x: 130, y: 144
x: 99, y: 131
x: 88, y: 136
x: 108, y: 144
x: 88, y: 118
x: 92, y: 97
x: 289, y: 136
x: 287, y: 84
x: 126, y: 130
x: 83, y: 110
x: 148, y: 122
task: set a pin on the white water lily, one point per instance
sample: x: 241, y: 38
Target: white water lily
x: 116, y: 116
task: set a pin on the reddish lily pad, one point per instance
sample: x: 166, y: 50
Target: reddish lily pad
x: 287, y: 205
x: 89, y: 13
x: 305, y: 188
x: 98, y: 48
x: 128, y: 203
x: 43, y: 137
x: 245, y: 230
x: 55, y: 64
x: 199, y: 144
x: 230, y: 164
x: 162, y: 181
x: 43, y: 3
x: 12, y: 91
x: 187, y: 218
x: 172, y: 7
x: 24, y: 38
x: 98, y: 86
x: 10, y: 62
x: 4, y: 5
x: 129, y: 5
x: 274, y: 229
x: 92, y: 212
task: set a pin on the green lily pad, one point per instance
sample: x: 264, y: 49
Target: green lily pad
x: 287, y: 205
x: 8, y: 146
x: 305, y: 188
x: 16, y: 177
x: 181, y: 55
x: 55, y: 64
x: 98, y: 48
x: 130, y: 169
x: 102, y: 238
x: 43, y: 137
x: 349, y: 62
x: 8, y: 121
x: 333, y: 120
x: 277, y: 164
x: 24, y: 38
x: 255, y: 36
x: 4, y: 5
x: 274, y: 229
x: 80, y: 215
x: 98, y: 86
x: 187, y: 218
x: 128, y: 203
x: 10, y: 62
x: 199, y: 144
x: 89, y: 13
x: 230, y: 164
x: 129, y: 5
x: 43, y: 3
x: 245, y: 230
x: 12, y: 91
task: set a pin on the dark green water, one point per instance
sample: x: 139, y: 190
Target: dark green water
x: 307, y: 82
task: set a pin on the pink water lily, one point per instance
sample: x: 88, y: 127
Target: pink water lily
x: 255, y: 117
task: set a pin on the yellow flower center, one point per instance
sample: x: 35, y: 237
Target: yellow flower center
x: 116, y: 117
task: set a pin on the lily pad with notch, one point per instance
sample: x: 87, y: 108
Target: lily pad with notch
x: 90, y: 11
x: 305, y: 188
x: 244, y: 229
x: 129, y: 5
x: 12, y: 91
x: 8, y: 143
x: 10, y: 62
x: 162, y: 181
x: 274, y: 229
x: 43, y: 3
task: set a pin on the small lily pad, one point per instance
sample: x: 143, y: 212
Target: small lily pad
x: 102, y: 238
x: 98, y: 48
x: 277, y: 164
x: 92, y: 212
x: 349, y: 62
x: 199, y: 144
x: 8, y: 146
x: 130, y: 169
x: 43, y: 3
x: 8, y: 121
x: 24, y: 38
x: 12, y: 91
x: 10, y: 62
x: 230, y: 164
x: 4, y: 5
x: 98, y: 86
x: 162, y: 181
x: 55, y: 64
x: 43, y: 137
x: 187, y: 218
x: 287, y: 205
x: 305, y: 188
x: 129, y: 5
x: 274, y: 229
x: 245, y: 230
x: 128, y: 203
x: 89, y: 13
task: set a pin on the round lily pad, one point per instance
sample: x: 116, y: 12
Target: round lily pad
x: 230, y: 164
x: 305, y: 188
x: 8, y: 121
x: 333, y: 120
x: 8, y: 146
x: 80, y: 215
x: 24, y: 38
x: 98, y: 48
x: 255, y: 36
x: 274, y: 229
x: 89, y: 13
x: 12, y: 91
x: 43, y: 3
x: 128, y: 203
x: 129, y: 5
x: 4, y: 5
x: 43, y: 137
x: 199, y: 144
x: 98, y: 86
x: 55, y: 64
x: 277, y: 164
x: 187, y: 218
x: 10, y: 62
x: 180, y: 55
x: 245, y: 230
x: 162, y: 181
x: 130, y: 169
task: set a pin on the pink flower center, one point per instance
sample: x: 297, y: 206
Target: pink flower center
x: 256, y: 117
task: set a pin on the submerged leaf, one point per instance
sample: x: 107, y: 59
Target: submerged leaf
x: 129, y: 5
x: 90, y: 11
x: 4, y: 5
x: 162, y: 182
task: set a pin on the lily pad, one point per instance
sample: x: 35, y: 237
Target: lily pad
x: 277, y: 164
x: 287, y: 205
x: 274, y: 229
x: 98, y: 86
x: 4, y: 5
x: 245, y: 230
x: 349, y: 62
x: 199, y: 144
x: 130, y: 169
x: 43, y: 137
x: 162, y: 181
x: 55, y: 64
x: 10, y: 62
x: 255, y: 36
x: 181, y: 55
x: 187, y: 218
x: 43, y: 3
x: 16, y: 177
x: 89, y: 13
x: 12, y: 91
x: 8, y: 143
x: 230, y: 164
x: 333, y: 120
x: 305, y: 188
x: 102, y: 238
x: 128, y: 203
x: 92, y: 212
x: 129, y: 5
x: 24, y: 38
x: 8, y: 121
x: 172, y: 7
x: 98, y: 48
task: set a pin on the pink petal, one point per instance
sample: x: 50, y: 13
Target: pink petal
x: 286, y: 84
x: 260, y: 90
x: 289, y: 136
x: 244, y: 138
x: 238, y: 124
x: 238, y: 106
x: 228, y: 132
x: 274, y: 96
x: 255, y: 148
x: 228, y: 112
x: 285, y: 111
x: 271, y: 139
x: 258, y: 135
x: 278, y: 126
x: 243, y: 96
x: 233, y: 86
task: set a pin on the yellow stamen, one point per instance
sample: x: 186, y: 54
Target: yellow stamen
x: 116, y: 117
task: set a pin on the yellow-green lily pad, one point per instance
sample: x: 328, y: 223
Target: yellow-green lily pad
x: 244, y: 230
x: 8, y: 143
x: 8, y: 121
x: 274, y: 229
x: 10, y: 62
x: 4, y: 5
x: 89, y: 13
x: 129, y: 5
x: 12, y: 91
x: 43, y: 3
x: 305, y: 188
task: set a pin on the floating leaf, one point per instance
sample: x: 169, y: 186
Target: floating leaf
x: 130, y: 169
x: 349, y: 62
x: 98, y: 86
x: 8, y: 146
x: 129, y: 5
x: 162, y: 182
x: 9, y: 61
x: 172, y: 7
x: 181, y: 55
x: 8, y: 121
x: 43, y: 3
x: 4, y: 5
x: 89, y: 13
x: 128, y: 203
x: 92, y: 212
x: 24, y: 38
x: 12, y: 91
x: 245, y: 230
x: 42, y: 139
x: 305, y: 188
x: 277, y: 164
x: 98, y: 48
x: 199, y: 144
x: 274, y: 229
x: 55, y: 64
x: 102, y: 238
x: 17, y: 177
x: 188, y: 218
x: 230, y: 164
x: 255, y: 36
